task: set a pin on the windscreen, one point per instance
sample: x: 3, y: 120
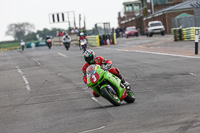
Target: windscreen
x: 155, y: 24
x: 90, y: 70
x: 131, y: 29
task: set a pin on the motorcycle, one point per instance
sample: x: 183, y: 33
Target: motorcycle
x: 108, y: 85
x: 49, y: 44
x: 83, y: 44
x: 67, y: 44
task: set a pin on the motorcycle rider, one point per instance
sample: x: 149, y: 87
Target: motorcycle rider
x: 47, y: 38
x: 90, y: 58
x: 66, y: 40
x: 82, y: 36
x: 22, y: 43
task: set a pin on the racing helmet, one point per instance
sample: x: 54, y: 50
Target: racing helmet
x: 81, y: 34
x: 89, y: 56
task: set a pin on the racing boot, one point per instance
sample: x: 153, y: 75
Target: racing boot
x: 126, y: 85
x: 95, y: 94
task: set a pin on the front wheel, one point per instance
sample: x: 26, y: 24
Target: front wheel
x: 84, y: 48
x: 130, y: 97
x: 110, y: 96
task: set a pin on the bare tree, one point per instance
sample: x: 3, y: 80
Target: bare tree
x: 20, y: 30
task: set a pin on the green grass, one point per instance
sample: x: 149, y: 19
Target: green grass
x: 9, y: 45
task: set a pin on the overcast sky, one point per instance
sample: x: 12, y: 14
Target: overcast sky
x: 37, y: 12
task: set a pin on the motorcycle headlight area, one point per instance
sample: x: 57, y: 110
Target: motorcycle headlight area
x: 89, y: 74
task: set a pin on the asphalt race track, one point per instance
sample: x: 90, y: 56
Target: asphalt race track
x: 41, y: 91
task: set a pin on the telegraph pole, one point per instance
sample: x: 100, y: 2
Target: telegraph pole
x: 152, y: 6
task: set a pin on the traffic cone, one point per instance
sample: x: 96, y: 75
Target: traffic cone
x: 111, y: 42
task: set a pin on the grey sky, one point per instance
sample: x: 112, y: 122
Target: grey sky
x: 37, y: 11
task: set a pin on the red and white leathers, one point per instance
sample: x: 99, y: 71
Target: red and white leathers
x: 100, y: 61
x: 82, y: 37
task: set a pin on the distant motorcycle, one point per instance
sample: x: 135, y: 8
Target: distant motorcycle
x: 83, y: 44
x: 49, y: 44
x: 67, y: 44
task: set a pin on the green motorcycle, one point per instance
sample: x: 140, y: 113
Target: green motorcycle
x: 108, y: 85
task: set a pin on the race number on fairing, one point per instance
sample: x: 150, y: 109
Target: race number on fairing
x: 94, y: 78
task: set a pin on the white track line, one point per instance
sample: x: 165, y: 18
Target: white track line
x: 39, y: 63
x: 62, y: 55
x: 139, y: 51
x: 156, y: 53
x: 87, y: 131
x: 24, y: 78
x: 93, y: 98
x: 193, y: 74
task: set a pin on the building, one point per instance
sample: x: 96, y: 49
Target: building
x: 139, y: 13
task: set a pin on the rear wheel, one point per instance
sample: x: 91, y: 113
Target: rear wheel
x: 130, y: 98
x: 111, y: 96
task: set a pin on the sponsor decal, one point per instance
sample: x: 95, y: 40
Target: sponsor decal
x: 97, y: 61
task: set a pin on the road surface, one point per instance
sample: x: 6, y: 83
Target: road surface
x: 41, y: 91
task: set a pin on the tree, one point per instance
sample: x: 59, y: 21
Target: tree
x: 20, y: 30
x: 30, y: 37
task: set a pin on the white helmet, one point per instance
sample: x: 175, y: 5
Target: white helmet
x: 81, y: 34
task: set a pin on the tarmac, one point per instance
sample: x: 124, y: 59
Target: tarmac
x: 162, y: 44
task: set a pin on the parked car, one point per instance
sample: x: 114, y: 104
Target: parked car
x: 155, y: 27
x: 131, y: 31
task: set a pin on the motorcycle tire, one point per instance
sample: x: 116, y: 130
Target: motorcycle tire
x: 110, y: 97
x: 84, y: 48
x: 130, y: 97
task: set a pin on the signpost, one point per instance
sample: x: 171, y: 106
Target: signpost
x: 196, y: 41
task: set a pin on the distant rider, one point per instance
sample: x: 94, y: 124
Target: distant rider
x: 22, y: 43
x: 82, y: 36
x: 66, y: 40
x: 48, y: 41
x: 91, y: 58
x: 47, y: 37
